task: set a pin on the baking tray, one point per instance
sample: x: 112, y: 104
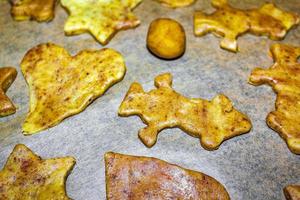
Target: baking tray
x: 252, y: 166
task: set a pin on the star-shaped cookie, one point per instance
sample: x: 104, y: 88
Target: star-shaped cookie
x: 284, y: 78
x: 101, y: 18
x: 62, y: 85
x: 40, y: 10
x: 26, y: 176
x: 7, y: 77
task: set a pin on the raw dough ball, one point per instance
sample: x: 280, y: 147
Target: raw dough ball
x: 166, y: 38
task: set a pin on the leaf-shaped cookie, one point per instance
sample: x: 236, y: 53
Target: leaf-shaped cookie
x: 61, y: 85
x: 26, y: 176
x: 284, y: 78
x: 212, y: 121
x: 101, y: 18
x: 144, y: 178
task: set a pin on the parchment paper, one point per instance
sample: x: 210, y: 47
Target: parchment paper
x: 254, y: 166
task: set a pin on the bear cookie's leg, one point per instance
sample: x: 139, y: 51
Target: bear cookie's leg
x: 149, y: 134
x: 211, y: 142
x: 229, y: 42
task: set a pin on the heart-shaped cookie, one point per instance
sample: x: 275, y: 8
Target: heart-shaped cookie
x: 62, y: 85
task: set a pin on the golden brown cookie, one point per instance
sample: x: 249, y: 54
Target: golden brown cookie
x: 292, y: 192
x: 230, y: 23
x: 39, y: 10
x: 211, y: 121
x: 100, y: 18
x: 28, y: 177
x: 176, y: 3
x: 284, y: 78
x: 166, y: 38
x: 62, y: 85
x: 136, y: 178
x: 7, y: 77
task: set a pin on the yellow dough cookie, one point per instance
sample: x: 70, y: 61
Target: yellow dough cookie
x: 62, y: 85
x: 284, y: 78
x: 28, y: 177
x: 176, y: 3
x: 230, y: 23
x: 7, y: 77
x: 101, y: 18
x: 211, y: 121
x: 292, y: 192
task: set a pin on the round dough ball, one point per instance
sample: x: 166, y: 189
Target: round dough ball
x: 166, y: 38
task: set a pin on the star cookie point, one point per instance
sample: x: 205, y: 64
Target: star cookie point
x: 102, y: 19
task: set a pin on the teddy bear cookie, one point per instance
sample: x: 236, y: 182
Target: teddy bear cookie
x: 229, y: 23
x: 284, y: 78
x: 211, y: 121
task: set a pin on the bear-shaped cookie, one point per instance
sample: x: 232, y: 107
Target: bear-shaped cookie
x: 211, y: 121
